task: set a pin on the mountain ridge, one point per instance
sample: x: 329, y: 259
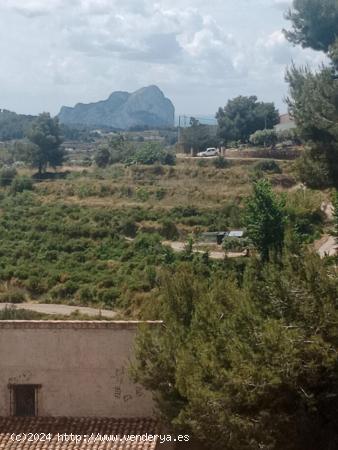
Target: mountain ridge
x: 145, y: 108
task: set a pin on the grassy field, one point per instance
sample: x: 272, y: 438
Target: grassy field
x: 187, y: 183
x: 90, y: 236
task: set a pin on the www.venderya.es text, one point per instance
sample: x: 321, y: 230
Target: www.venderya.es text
x: 97, y: 437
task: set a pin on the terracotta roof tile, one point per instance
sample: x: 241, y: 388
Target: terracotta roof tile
x: 42, y: 433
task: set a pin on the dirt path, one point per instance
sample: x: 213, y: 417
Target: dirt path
x: 326, y: 246
x: 180, y: 247
x: 63, y: 310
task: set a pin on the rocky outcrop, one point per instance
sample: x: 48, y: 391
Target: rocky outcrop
x: 145, y: 108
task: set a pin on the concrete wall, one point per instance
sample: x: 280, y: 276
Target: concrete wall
x: 82, y: 367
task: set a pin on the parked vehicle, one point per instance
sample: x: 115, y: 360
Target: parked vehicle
x: 211, y: 151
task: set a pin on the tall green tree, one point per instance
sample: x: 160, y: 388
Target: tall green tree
x: 265, y: 219
x: 314, y: 24
x: 313, y: 100
x: 242, y: 116
x: 45, y: 135
x: 251, y: 366
x: 102, y: 156
x: 197, y: 137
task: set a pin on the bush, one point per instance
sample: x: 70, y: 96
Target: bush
x: 267, y: 166
x: 12, y: 313
x: 264, y: 137
x: 142, y: 195
x: 128, y: 228
x: 12, y: 296
x: 151, y: 153
x: 20, y: 184
x: 160, y: 194
x: 169, y: 230
x: 233, y: 244
x: 7, y: 175
x: 102, y: 157
x: 313, y: 173
x: 202, y: 163
x: 220, y: 162
x: 289, y: 135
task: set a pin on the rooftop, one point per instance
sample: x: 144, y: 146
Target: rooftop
x: 91, y: 433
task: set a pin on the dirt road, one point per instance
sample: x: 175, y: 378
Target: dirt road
x: 180, y: 247
x: 64, y: 310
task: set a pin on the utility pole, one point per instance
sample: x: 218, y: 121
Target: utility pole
x: 179, y: 131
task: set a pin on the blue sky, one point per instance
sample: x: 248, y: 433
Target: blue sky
x: 200, y: 53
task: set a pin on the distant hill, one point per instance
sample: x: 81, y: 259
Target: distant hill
x: 13, y: 126
x: 145, y: 108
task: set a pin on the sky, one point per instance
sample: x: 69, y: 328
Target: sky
x: 201, y: 53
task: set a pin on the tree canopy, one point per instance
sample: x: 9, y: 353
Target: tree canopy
x: 313, y: 100
x: 242, y: 116
x: 197, y: 137
x: 45, y: 134
x: 314, y: 23
x: 246, y: 366
x: 14, y: 126
x: 265, y: 219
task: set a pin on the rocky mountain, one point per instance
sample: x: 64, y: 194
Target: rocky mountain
x: 145, y: 108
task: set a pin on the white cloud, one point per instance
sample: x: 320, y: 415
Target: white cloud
x: 201, y: 53
x: 31, y: 8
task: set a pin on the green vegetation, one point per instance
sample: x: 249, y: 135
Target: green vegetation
x: 264, y: 137
x: 7, y: 175
x: 269, y: 166
x: 247, y: 356
x: 313, y: 96
x: 45, y: 135
x: 13, y: 126
x: 197, y: 137
x: 265, y: 220
x: 102, y: 157
x: 220, y: 162
x: 314, y: 24
x: 117, y: 150
x: 246, y: 361
x: 150, y: 153
x: 94, y: 237
x: 242, y: 116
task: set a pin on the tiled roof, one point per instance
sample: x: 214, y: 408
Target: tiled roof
x: 42, y: 433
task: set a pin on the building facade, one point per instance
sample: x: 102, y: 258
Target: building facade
x: 70, y: 369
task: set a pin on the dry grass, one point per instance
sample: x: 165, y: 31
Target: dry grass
x: 160, y: 187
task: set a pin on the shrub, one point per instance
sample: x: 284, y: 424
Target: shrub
x: 12, y: 313
x: 288, y: 135
x: 202, y: 163
x: 233, y: 244
x: 314, y: 173
x: 7, y: 175
x: 102, y: 157
x: 142, y: 195
x: 12, y: 296
x: 169, y: 230
x: 264, y: 137
x: 128, y: 228
x: 267, y: 166
x: 220, y: 162
x: 160, y: 193
x: 151, y: 153
x: 20, y: 184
